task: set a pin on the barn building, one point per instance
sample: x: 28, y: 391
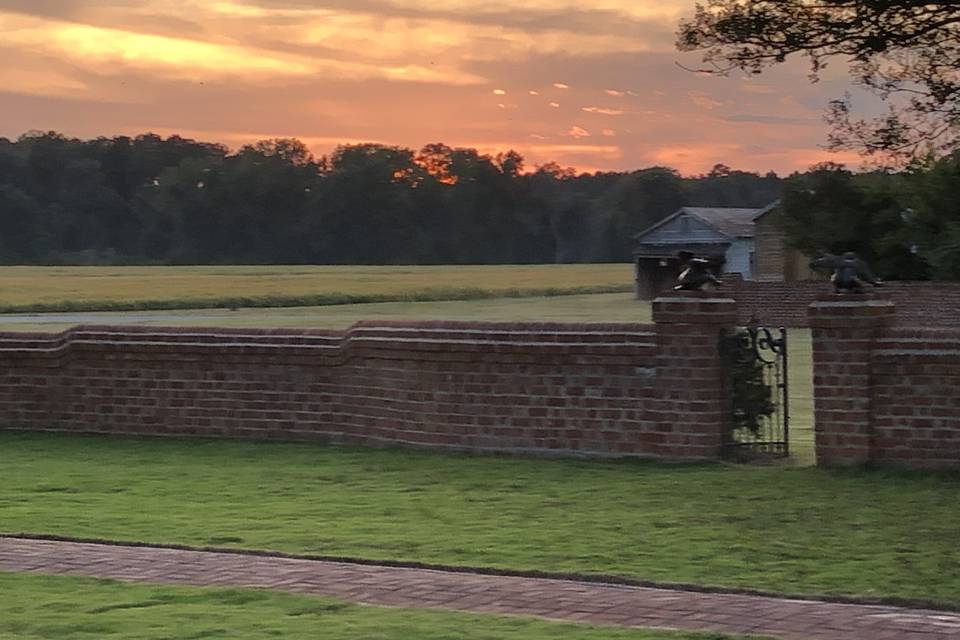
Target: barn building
x: 750, y: 240
x: 773, y: 259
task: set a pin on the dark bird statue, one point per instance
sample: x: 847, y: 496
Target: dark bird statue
x: 699, y: 274
x: 850, y: 273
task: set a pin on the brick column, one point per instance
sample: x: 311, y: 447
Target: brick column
x: 693, y: 409
x: 845, y: 328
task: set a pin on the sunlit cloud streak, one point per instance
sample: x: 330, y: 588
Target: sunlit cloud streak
x: 110, y: 50
x: 607, y: 111
x: 539, y: 78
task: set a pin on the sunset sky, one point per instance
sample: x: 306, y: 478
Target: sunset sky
x: 592, y: 84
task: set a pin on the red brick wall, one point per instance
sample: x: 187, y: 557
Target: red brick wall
x: 916, y: 397
x: 785, y: 303
x: 595, y: 389
x: 883, y: 394
x: 844, y: 331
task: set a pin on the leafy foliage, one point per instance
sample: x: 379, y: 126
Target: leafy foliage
x: 749, y: 392
x: 905, y: 51
x: 153, y: 200
x: 831, y: 210
x: 933, y: 214
x: 906, y: 225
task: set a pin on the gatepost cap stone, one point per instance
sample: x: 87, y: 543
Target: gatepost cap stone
x: 695, y: 307
x: 846, y: 310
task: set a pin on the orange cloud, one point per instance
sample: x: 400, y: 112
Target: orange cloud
x: 703, y: 100
x: 109, y: 50
x: 577, y: 132
x: 50, y: 83
x: 698, y: 158
x: 603, y: 110
x: 402, y: 73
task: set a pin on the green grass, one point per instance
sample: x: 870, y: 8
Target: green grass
x: 60, y: 608
x: 800, y: 352
x: 610, y: 307
x: 806, y: 531
x: 46, y: 289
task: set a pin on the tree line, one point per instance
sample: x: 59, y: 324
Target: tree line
x: 906, y: 223
x: 155, y: 200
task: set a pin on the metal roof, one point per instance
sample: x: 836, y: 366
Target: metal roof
x: 733, y: 222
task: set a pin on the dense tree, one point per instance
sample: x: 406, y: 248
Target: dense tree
x: 635, y: 202
x: 368, y: 205
x: 726, y: 187
x: 905, y: 51
x: 567, y: 211
x: 831, y: 210
x: 933, y: 215
x: 22, y: 234
x: 177, y: 201
x: 149, y: 199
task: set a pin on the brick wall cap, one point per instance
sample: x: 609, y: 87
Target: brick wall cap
x: 953, y: 354
x: 698, y: 299
x: 869, y: 302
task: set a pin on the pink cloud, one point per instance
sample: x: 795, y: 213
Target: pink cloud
x: 603, y: 110
x: 577, y: 132
x: 420, y: 84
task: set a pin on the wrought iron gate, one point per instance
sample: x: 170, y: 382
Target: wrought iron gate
x: 758, y: 389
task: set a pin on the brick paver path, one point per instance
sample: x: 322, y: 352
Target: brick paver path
x: 545, y: 598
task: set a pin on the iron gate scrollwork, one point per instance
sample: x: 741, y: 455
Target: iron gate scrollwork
x: 758, y: 386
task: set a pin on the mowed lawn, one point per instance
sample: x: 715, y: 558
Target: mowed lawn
x: 91, y: 288
x: 603, y: 307
x: 808, y: 531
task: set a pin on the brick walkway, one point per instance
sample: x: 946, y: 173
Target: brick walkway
x: 545, y: 598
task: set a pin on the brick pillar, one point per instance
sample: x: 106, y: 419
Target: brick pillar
x: 845, y: 328
x: 644, y: 285
x: 693, y: 409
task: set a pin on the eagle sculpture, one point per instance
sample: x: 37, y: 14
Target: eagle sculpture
x: 699, y: 274
x: 850, y: 272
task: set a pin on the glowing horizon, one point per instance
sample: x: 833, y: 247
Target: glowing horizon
x: 595, y: 88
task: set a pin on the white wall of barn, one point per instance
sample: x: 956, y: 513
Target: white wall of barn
x: 738, y: 258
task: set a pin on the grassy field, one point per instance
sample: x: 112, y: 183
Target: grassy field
x: 28, y: 289
x: 786, y: 530
x: 609, y: 307
x: 60, y: 608
x: 800, y: 351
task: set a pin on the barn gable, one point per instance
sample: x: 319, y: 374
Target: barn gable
x: 682, y: 227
